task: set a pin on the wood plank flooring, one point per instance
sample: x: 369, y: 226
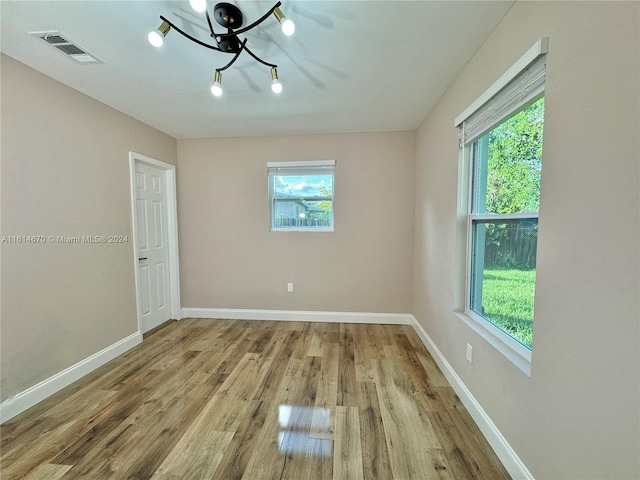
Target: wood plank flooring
x: 229, y: 399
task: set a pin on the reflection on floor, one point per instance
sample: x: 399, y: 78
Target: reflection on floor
x: 305, y: 430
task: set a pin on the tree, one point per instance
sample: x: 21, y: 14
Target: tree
x: 515, y: 161
x: 325, y: 204
x: 513, y: 186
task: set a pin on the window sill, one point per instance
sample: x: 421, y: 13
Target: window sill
x: 507, y: 346
x: 318, y: 230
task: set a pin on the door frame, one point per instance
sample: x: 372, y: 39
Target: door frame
x: 172, y: 231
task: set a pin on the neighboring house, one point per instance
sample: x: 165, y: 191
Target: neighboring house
x: 291, y: 212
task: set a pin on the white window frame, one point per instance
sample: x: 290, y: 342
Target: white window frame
x: 310, y: 167
x: 481, y: 116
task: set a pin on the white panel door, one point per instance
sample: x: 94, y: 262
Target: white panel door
x: 153, y: 251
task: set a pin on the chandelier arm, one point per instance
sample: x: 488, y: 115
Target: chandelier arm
x: 213, y: 34
x: 259, y: 59
x: 235, y: 57
x: 254, y: 24
x: 185, y: 34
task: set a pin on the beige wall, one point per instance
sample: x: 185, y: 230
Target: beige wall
x: 577, y: 416
x: 65, y: 171
x: 230, y: 259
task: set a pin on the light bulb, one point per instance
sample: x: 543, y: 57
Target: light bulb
x: 155, y: 39
x: 288, y: 27
x: 216, y: 89
x: 198, y: 5
x: 276, y: 86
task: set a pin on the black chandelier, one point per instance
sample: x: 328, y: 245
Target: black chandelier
x: 230, y: 17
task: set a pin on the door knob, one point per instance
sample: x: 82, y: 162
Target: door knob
x: 143, y: 258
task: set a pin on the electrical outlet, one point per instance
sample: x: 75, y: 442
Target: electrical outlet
x: 469, y: 353
x: 290, y: 287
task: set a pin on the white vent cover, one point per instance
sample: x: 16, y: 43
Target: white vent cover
x: 66, y: 46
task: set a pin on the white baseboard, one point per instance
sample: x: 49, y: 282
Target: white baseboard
x: 28, y: 398
x: 298, y: 316
x: 505, y: 453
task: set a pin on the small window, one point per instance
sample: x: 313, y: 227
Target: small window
x: 301, y: 195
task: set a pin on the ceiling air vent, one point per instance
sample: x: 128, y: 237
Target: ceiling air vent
x: 66, y: 46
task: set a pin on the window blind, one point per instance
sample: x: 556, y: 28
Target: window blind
x: 522, y: 89
x: 316, y: 167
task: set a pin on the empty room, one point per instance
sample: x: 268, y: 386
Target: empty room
x: 319, y: 240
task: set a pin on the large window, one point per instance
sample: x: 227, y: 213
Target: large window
x: 506, y: 162
x: 301, y: 195
x: 501, y: 143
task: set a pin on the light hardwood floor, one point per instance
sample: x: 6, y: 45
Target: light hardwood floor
x: 228, y: 399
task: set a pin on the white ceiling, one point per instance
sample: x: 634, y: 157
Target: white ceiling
x: 351, y: 66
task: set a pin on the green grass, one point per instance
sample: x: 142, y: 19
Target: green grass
x: 507, y: 301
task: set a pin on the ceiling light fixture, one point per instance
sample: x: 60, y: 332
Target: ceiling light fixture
x: 276, y: 86
x: 198, y: 5
x: 230, y: 17
x: 156, y: 37
x: 286, y: 24
x: 216, y: 88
